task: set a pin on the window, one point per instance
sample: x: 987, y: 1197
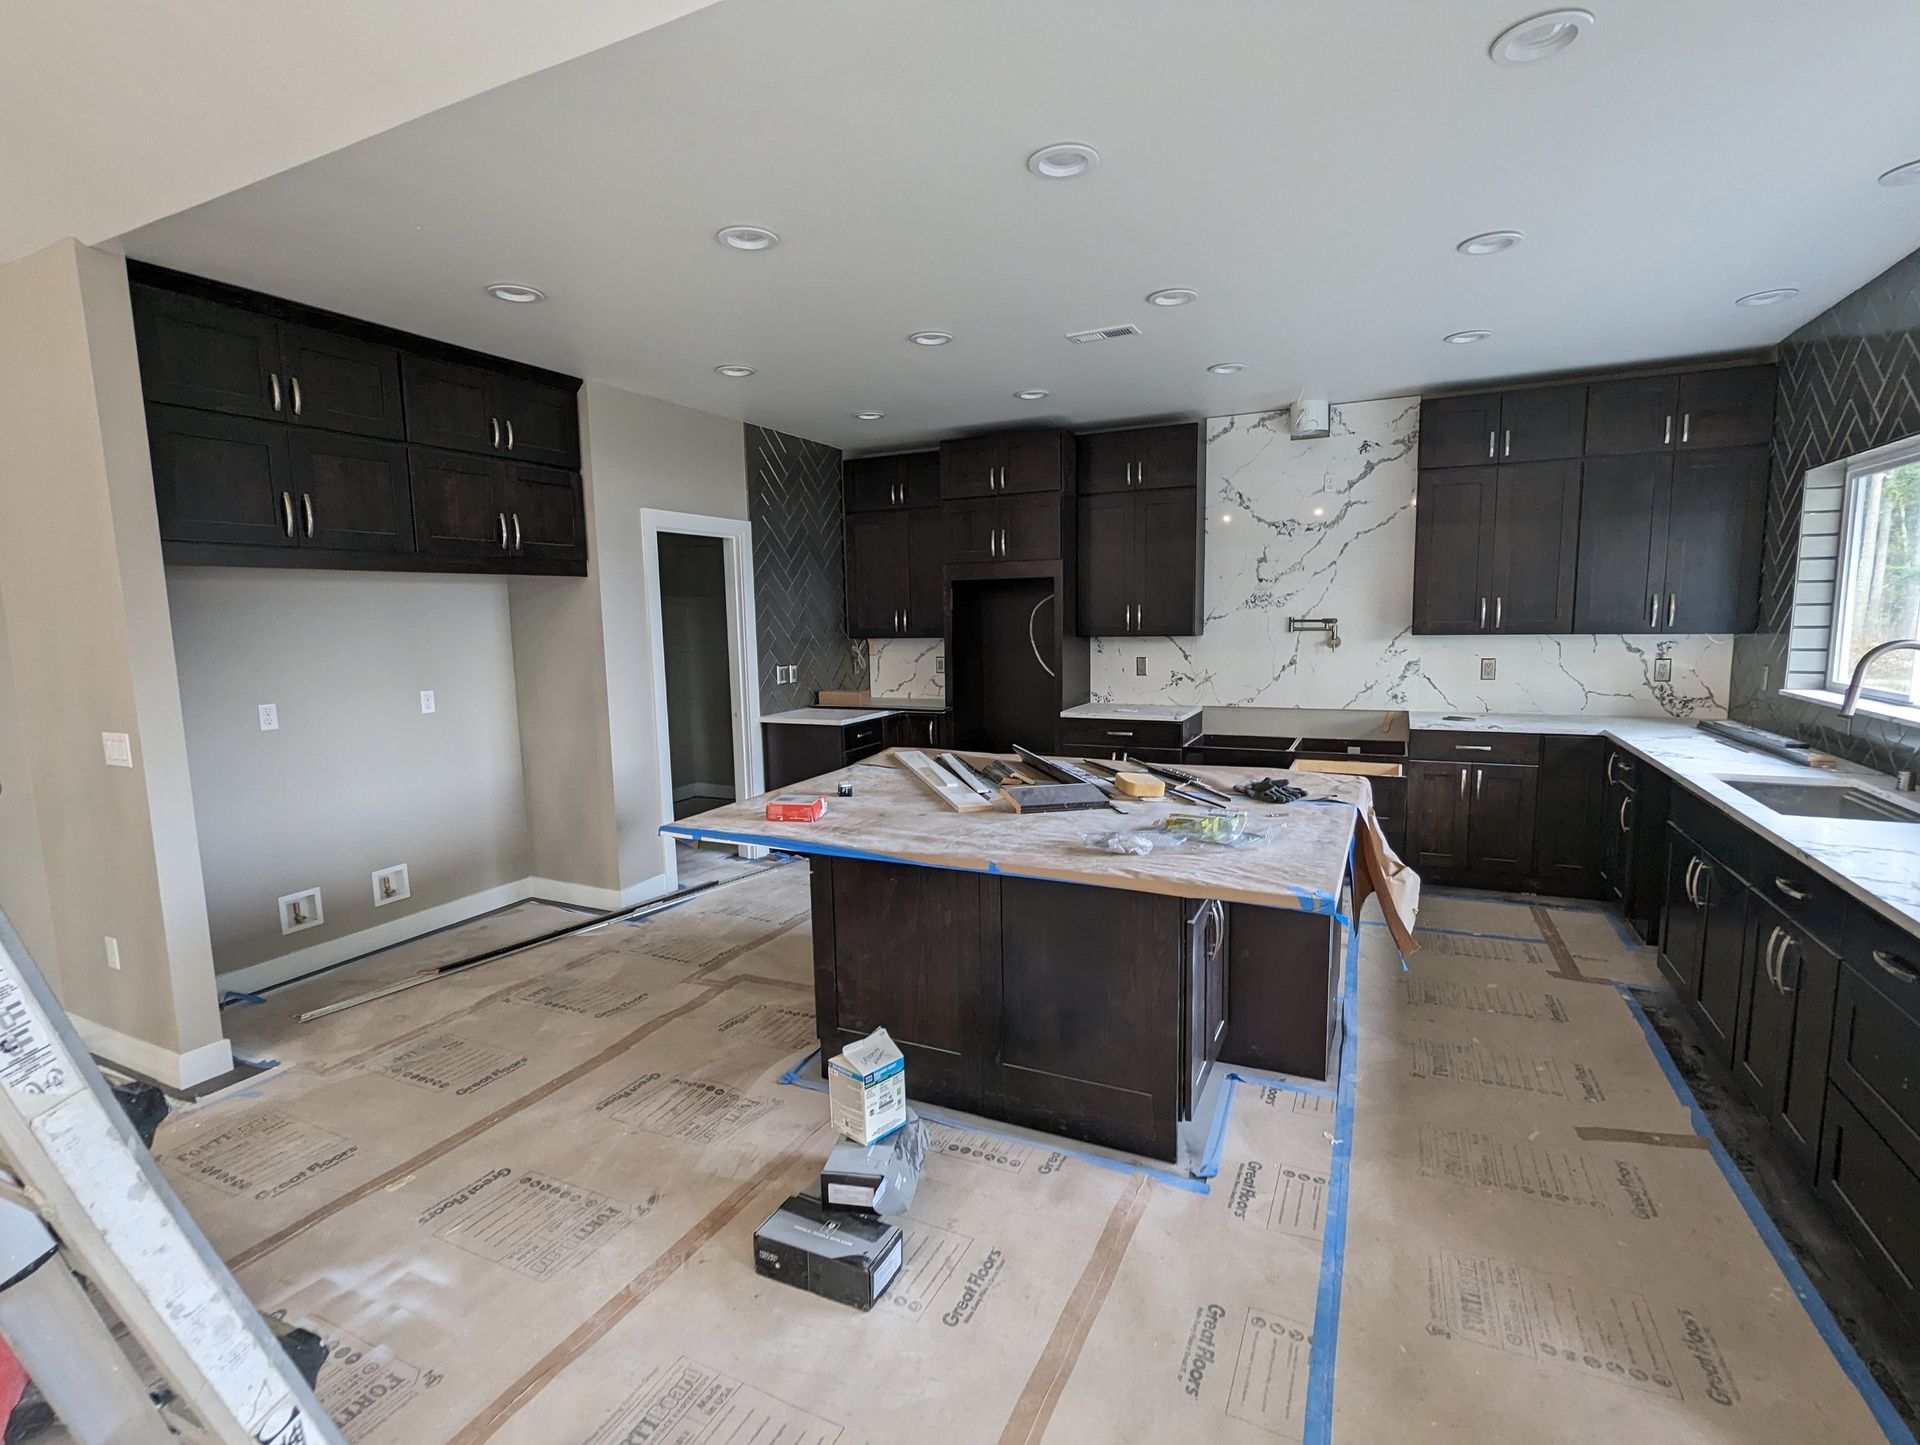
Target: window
x: 1878, y: 597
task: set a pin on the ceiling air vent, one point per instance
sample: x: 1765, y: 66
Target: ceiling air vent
x: 1105, y: 333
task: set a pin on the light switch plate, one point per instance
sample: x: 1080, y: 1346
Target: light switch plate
x: 1489, y: 669
x: 1140, y: 667
x: 113, y: 953
x: 269, y: 717
x: 426, y: 699
x: 118, y: 749
x: 1663, y: 669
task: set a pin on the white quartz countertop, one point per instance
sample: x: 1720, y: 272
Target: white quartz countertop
x: 1877, y: 863
x: 1134, y: 711
x: 831, y: 717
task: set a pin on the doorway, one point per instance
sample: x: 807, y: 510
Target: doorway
x: 705, y: 665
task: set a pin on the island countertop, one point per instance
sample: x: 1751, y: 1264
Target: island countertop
x: 892, y: 817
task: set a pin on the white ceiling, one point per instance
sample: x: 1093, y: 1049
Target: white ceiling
x: 1307, y: 167
x: 117, y: 112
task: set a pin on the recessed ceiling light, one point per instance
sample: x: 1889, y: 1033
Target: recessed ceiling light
x: 1465, y: 338
x: 1902, y: 175
x: 1173, y: 296
x: 1489, y: 243
x: 736, y: 372
x: 868, y: 415
x: 1539, y: 36
x: 1227, y: 368
x: 1034, y: 394
x: 930, y: 338
x: 745, y: 238
x: 514, y: 292
x: 1768, y: 298
x: 1063, y: 161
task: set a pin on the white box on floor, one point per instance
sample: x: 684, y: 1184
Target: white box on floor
x: 867, y: 1088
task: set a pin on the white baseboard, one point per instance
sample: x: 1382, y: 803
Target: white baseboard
x: 580, y: 895
x: 180, y: 1071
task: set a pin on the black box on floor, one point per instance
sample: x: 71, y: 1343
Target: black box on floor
x: 840, y: 1256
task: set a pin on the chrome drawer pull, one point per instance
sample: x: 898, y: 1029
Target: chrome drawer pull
x: 1896, y: 966
x: 1798, y: 895
x: 1473, y: 747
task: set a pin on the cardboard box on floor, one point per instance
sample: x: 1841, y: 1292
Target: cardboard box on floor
x: 867, y: 1088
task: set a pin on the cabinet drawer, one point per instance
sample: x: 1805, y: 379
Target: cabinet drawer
x: 1887, y: 956
x: 1874, y: 1191
x: 1449, y: 747
x: 1130, y: 733
x: 1800, y: 893
x: 1876, y: 1057
x: 862, y: 735
x: 1729, y: 842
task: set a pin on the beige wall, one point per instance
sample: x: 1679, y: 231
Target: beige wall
x: 23, y: 871
x: 83, y: 591
x: 356, y: 777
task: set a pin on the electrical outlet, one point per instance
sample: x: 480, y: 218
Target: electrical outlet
x: 118, y: 749
x: 426, y: 699
x: 785, y: 672
x: 1489, y: 669
x: 301, y: 910
x: 113, y: 953
x: 390, y: 885
x: 269, y: 717
x: 1663, y: 669
x: 939, y: 664
x: 1139, y: 667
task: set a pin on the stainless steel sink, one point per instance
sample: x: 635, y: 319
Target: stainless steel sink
x: 1825, y: 800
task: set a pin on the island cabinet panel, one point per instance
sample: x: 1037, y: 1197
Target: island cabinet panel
x: 1282, y: 991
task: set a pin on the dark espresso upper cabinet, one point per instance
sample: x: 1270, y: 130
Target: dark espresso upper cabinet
x: 1726, y: 407
x: 1014, y: 461
x: 1639, y: 414
x: 893, y: 572
x: 285, y: 436
x: 1141, y: 535
x: 1460, y: 431
x: 1495, y: 548
x: 910, y: 479
x: 1540, y: 424
x: 1143, y: 458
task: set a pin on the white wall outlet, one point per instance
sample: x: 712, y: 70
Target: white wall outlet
x: 426, y: 699
x: 1140, y: 666
x: 118, y: 749
x: 1663, y: 669
x: 113, y: 953
x: 269, y: 717
x: 784, y: 672
x: 301, y: 910
x: 1489, y: 669
x: 940, y: 664
x: 390, y: 885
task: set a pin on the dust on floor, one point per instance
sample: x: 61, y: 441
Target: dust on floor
x: 519, y: 1204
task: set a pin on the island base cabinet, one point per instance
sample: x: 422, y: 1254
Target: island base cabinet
x: 1283, y: 991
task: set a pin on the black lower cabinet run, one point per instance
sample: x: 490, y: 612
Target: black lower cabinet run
x: 1094, y: 1013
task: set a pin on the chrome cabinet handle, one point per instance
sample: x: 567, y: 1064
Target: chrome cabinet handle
x: 1114, y: 733
x: 1613, y: 760
x: 1666, y: 438
x: 274, y: 377
x: 509, y: 433
x: 1483, y: 614
x: 1506, y: 447
x: 296, y: 394
x: 286, y: 511
x: 1798, y: 895
x: 1473, y: 747
x: 1489, y: 446
x: 1499, y: 610
x: 1463, y: 783
x: 516, y: 531
x: 306, y: 504
x: 1003, y: 541
x: 1479, y: 782
x: 1896, y: 965
x: 1767, y: 955
x: 1686, y: 883
x: 1673, y: 603
x: 503, y: 531
x: 1653, y: 610
x: 1624, y: 803
x: 1686, y: 426
x: 496, y: 430
x: 1780, y: 964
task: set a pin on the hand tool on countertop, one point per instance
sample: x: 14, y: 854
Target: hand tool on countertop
x: 1185, y: 780
x: 1062, y: 771
x: 1183, y: 791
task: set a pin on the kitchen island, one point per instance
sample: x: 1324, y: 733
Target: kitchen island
x: 1030, y: 975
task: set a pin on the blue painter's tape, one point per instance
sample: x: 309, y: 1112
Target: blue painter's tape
x: 234, y: 995
x: 1333, y: 1249
x: 1286, y: 1086
x: 1463, y: 933
x: 1217, y: 1136
x: 1844, y: 1354
x: 794, y: 1075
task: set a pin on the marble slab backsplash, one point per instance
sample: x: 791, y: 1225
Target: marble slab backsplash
x: 1325, y: 529
x: 906, y: 667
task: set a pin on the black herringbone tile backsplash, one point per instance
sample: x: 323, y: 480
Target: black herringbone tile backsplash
x: 793, y: 501
x: 1849, y: 381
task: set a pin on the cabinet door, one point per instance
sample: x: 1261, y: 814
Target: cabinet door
x: 457, y: 509
x: 220, y: 478
x: 970, y: 467
x: 871, y: 484
x: 1732, y: 407
x: 1104, y: 462
x: 1452, y: 561
x: 1459, y: 431
x: 539, y: 422
x: 1169, y: 456
x: 1622, y: 571
x: 199, y: 353
x: 546, y: 513
x: 1715, y: 525
x: 1616, y: 848
x: 1500, y: 826
x: 1570, y: 821
x: 1637, y: 415
x: 1764, y: 1037
x: 353, y: 493
x: 1810, y: 972
x: 1535, y: 544
x: 926, y: 603
x: 1107, y: 562
x: 878, y: 571
x: 919, y: 474
x: 971, y: 530
x: 1683, y: 928
x: 1167, y: 586
x: 1033, y: 462
x: 1437, y: 811
x: 1723, y: 955
x: 1543, y: 424
x: 341, y: 382
x: 1030, y: 527
x: 449, y: 405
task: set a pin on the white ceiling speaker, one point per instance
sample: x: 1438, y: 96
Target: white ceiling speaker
x: 1768, y: 298
x: 745, y: 238
x: 515, y: 293
x: 1308, y: 419
x: 1063, y: 161
x: 1489, y: 243
x: 1539, y: 37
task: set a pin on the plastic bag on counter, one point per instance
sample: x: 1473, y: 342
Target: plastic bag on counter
x: 1220, y: 830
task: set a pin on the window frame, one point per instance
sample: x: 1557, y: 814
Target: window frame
x: 1839, y: 638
